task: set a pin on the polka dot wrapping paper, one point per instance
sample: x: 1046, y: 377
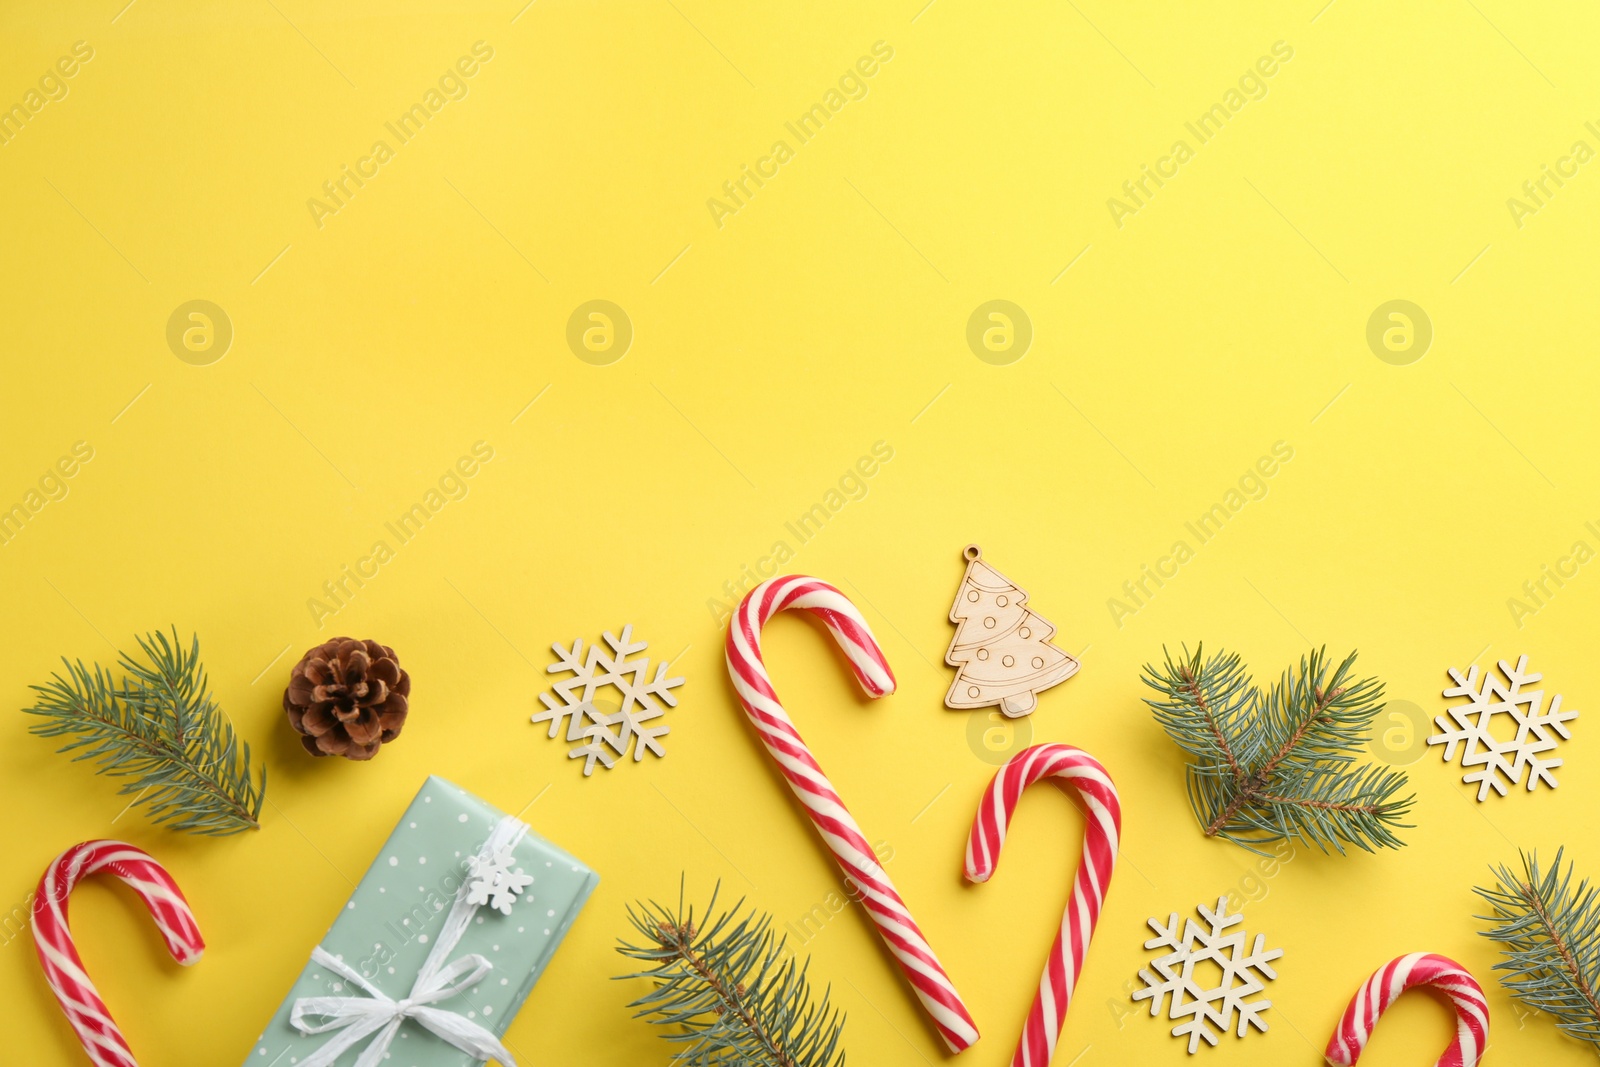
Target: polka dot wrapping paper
x: 391, y: 924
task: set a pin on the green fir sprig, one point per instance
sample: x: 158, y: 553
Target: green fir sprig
x: 1549, y: 930
x: 158, y: 726
x: 729, y: 989
x: 1280, y: 764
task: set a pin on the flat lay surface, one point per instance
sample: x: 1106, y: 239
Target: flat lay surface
x: 477, y: 330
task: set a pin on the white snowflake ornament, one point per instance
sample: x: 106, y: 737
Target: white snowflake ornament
x: 1489, y: 761
x: 494, y: 883
x: 606, y: 733
x: 1197, y: 1000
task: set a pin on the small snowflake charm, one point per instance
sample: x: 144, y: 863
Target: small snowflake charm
x: 494, y: 883
x: 1502, y: 763
x: 1197, y: 1005
x: 606, y: 733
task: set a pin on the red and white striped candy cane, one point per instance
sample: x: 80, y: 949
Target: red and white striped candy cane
x: 63, y: 968
x: 1394, y: 978
x: 854, y: 855
x: 1102, y: 833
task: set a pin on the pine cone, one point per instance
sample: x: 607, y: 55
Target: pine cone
x: 347, y: 697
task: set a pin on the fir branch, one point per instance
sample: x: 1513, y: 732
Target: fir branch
x: 1280, y: 764
x: 1204, y: 708
x: 1550, y: 932
x: 730, y: 988
x: 158, y: 726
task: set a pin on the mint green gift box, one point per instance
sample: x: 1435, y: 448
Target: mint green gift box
x: 460, y: 890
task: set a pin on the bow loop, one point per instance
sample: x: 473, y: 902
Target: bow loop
x: 462, y: 973
x: 338, y: 1013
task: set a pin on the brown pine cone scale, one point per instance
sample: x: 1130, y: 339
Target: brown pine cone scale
x: 347, y: 698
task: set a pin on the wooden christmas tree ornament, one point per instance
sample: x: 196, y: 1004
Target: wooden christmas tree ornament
x: 1001, y: 651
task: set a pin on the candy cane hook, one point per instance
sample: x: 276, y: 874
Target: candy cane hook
x: 63, y: 968
x: 838, y: 829
x: 1101, y: 836
x: 1394, y: 978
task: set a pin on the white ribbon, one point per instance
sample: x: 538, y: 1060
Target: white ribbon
x: 379, y: 1016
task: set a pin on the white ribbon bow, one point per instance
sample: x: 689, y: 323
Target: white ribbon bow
x: 379, y: 1016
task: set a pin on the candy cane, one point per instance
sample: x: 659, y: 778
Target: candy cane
x: 63, y: 968
x: 1394, y: 978
x: 783, y: 742
x: 1100, y: 840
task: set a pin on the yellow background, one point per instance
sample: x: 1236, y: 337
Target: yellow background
x: 769, y: 354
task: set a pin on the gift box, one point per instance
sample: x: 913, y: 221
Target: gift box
x: 437, y: 948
